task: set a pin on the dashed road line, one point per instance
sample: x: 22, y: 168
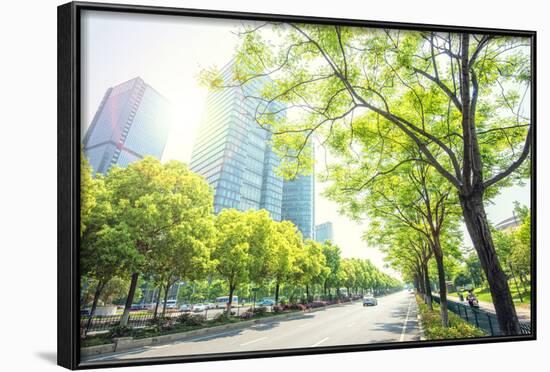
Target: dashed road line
x: 253, y: 341
x: 319, y: 342
x: 402, y: 338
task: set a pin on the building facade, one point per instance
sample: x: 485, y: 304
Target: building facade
x: 132, y: 121
x: 323, y: 232
x: 234, y: 154
x: 299, y: 204
x: 232, y: 151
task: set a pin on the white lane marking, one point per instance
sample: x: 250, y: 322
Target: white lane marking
x: 160, y: 347
x: 144, y: 349
x: 402, y: 338
x: 319, y: 342
x: 251, y: 342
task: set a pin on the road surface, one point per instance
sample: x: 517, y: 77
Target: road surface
x: 393, y: 320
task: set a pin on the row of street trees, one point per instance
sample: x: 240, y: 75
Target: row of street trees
x: 155, y: 221
x: 423, y: 128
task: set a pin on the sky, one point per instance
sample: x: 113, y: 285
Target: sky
x: 168, y: 52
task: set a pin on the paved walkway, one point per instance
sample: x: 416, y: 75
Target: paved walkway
x: 524, y: 314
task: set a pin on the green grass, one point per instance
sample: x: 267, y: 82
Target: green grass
x: 433, y: 330
x: 483, y: 294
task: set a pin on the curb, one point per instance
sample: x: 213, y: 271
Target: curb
x: 128, y: 343
x: 420, y: 328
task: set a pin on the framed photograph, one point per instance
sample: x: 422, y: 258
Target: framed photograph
x: 238, y: 185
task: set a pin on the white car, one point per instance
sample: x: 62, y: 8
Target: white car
x: 185, y: 307
x: 210, y: 306
x: 171, y: 304
x: 197, y: 308
x: 370, y: 301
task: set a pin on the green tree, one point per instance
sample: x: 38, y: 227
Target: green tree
x: 310, y: 266
x: 231, y: 254
x: 154, y: 200
x: 458, y: 97
x: 332, y: 255
x: 286, y: 244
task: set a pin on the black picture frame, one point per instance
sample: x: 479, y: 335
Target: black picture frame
x: 68, y: 147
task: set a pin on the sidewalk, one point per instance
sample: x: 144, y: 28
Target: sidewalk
x: 524, y: 315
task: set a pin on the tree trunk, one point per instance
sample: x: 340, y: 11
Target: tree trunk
x: 98, y: 290
x: 277, y: 293
x: 427, y: 285
x: 307, y: 293
x: 442, y: 287
x: 478, y: 228
x: 129, y: 300
x: 157, y: 302
x: 230, y: 299
x: 516, y: 283
x: 165, y: 298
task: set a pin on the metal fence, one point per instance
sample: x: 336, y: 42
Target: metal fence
x: 482, y: 319
x: 102, y: 323
x: 138, y: 320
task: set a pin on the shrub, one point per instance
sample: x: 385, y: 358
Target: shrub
x: 259, y: 311
x: 297, y: 307
x: 188, y: 319
x: 247, y: 315
x: 458, y: 328
x: 120, y: 331
x: 278, y: 309
x: 316, y: 304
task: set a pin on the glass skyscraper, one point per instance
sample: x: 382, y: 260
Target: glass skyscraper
x: 298, y: 203
x: 324, y: 232
x: 131, y: 122
x: 232, y: 151
x: 234, y: 155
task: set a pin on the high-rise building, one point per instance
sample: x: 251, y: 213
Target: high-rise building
x: 131, y: 122
x: 298, y: 203
x: 324, y: 232
x: 232, y: 151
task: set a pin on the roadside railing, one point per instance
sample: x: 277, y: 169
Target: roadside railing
x: 482, y: 319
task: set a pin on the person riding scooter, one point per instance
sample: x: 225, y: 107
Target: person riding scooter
x: 472, y: 300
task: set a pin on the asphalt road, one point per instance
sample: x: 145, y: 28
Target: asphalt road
x: 392, y: 320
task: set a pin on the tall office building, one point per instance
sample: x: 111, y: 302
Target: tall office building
x: 131, y: 122
x: 324, y: 232
x: 299, y: 203
x: 232, y: 151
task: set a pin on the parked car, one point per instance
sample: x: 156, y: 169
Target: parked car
x: 266, y: 302
x: 172, y: 304
x: 370, y: 301
x: 85, y: 312
x: 210, y: 306
x: 197, y: 308
x: 136, y: 307
x: 185, y: 308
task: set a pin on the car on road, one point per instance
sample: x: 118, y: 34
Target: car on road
x: 266, y: 302
x: 185, y: 308
x: 370, y: 301
x: 197, y: 308
x: 210, y: 306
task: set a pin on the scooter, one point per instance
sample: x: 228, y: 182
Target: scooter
x: 474, y: 303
